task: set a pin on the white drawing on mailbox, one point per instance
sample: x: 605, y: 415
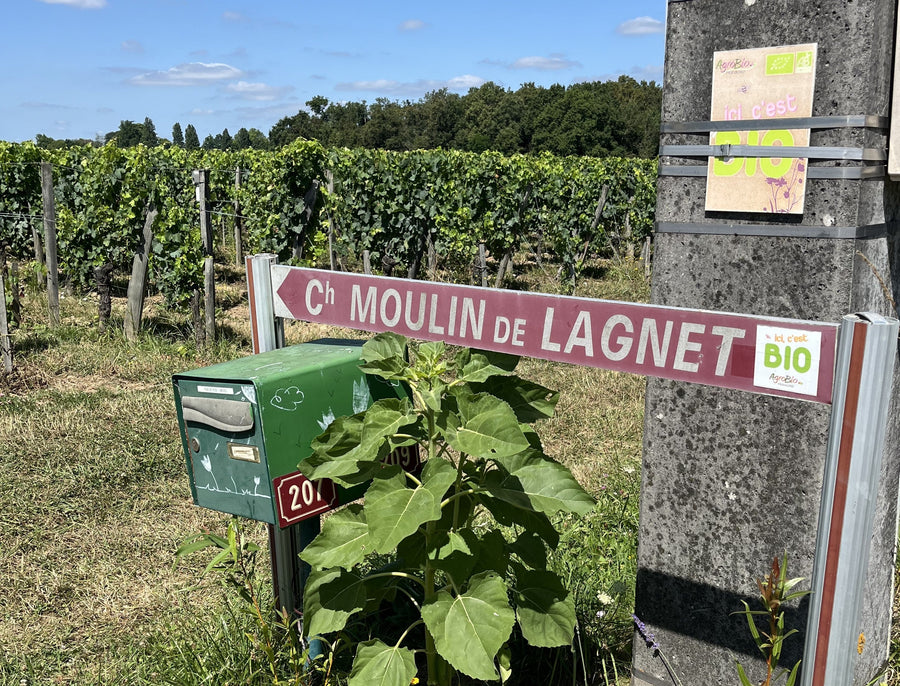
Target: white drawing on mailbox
x: 360, y: 396
x: 326, y: 419
x: 207, y: 465
x: 288, y: 399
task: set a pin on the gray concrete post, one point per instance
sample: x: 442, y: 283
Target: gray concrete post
x: 731, y: 479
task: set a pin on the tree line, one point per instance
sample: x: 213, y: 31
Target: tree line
x: 596, y: 119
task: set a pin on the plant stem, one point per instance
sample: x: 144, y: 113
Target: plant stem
x: 430, y: 528
x: 430, y: 651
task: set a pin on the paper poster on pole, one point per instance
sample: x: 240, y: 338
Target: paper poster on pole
x: 757, y: 86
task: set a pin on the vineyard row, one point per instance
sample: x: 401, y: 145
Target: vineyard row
x: 311, y: 205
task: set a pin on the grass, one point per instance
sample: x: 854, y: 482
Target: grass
x: 94, y: 500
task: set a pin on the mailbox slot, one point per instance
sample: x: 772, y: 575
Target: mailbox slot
x: 234, y: 416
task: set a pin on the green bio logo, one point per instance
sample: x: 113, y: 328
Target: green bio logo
x: 780, y: 64
x: 798, y: 359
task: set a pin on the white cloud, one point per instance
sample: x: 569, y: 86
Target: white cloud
x: 464, y: 82
x: 132, y: 46
x: 234, y: 16
x: 641, y: 26
x: 80, y: 4
x: 256, y: 91
x: 190, y: 74
x: 412, y: 25
x: 34, y: 105
x: 412, y: 88
x: 552, y: 63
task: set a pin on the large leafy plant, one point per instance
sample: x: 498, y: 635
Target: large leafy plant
x: 467, y: 537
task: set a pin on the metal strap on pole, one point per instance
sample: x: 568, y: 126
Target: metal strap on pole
x: 867, y: 346
x: 875, y: 171
x: 775, y: 151
x: 867, y: 121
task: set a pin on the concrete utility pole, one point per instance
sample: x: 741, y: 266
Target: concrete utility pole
x: 731, y: 480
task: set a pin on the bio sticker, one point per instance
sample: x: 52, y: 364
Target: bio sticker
x: 780, y: 64
x: 787, y: 359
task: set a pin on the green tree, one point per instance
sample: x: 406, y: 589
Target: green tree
x: 241, y: 139
x: 387, y: 128
x: 288, y: 129
x: 223, y: 140
x: 177, y: 135
x: 258, y: 140
x: 482, y: 119
x: 128, y: 135
x: 436, y: 120
x: 191, y: 140
x: 148, y: 136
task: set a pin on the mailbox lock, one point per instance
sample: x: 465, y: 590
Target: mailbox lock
x: 195, y: 444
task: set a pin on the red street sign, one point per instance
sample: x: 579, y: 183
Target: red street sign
x: 297, y: 498
x: 773, y: 356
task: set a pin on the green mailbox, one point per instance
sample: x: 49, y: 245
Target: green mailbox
x: 246, y: 424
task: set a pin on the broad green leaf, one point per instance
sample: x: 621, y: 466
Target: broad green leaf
x: 456, y: 556
x: 477, y: 366
x: 546, y: 485
x: 384, y: 418
x: 493, y: 553
x: 530, y: 549
x: 437, y: 476
x: 395, y: 511
x: 488, y: 428
x: 378, y: 664
x: 380, y: 589
x: 530, y: 401
x: 509, y: 515
x: 544, y: 608
x: 469, y: 629
x: 433, y: 394
x: 384, y: 346
x: 393, y: 368
x: 343, y: 542
x: 330, y: 598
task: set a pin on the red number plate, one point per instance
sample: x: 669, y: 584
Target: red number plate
x: 297, y: 498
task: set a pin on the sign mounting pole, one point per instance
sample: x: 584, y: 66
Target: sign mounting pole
x: 267, y: 331
x: 867, y: 346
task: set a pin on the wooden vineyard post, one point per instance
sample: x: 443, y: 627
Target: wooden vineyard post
x: 137, y: 283
x: 201, y: 182
x: 50, y: 241
x: 238, y: 220
x: 5, y: 345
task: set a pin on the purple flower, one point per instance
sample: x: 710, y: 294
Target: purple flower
x: 801, y: 166
x: 645, y: 633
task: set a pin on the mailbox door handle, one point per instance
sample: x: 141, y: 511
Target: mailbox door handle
x: 219, y: 413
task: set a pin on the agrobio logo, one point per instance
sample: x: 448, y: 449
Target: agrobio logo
x: 787, y: 359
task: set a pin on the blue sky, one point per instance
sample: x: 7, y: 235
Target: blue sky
x: 76, y: 68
